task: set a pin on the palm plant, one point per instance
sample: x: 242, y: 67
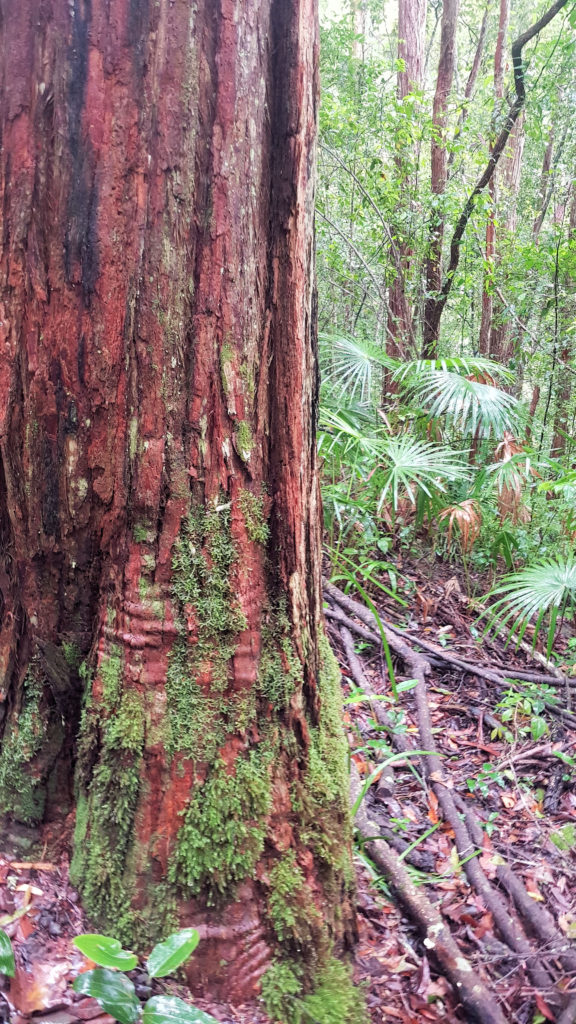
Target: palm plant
x: 473, y: 407
x: 545, y: 590
x: 385, y: 467
x: 460, y: 390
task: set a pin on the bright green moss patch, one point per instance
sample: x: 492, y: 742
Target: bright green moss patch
x: 21, y: 794
x: 291, y: 909
x: 222, y: 837
x: 110, y: 672
x: 209, y: 623
x: 105, y: 815
x: 252, y: 508
x: 333, y: 1000
x: 243, y: 440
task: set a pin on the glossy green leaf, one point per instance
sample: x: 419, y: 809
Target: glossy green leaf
x: 171, y: 1010
x: 168, y: 955
x: 105, y: 951
x: 115, y: 993
x: 7, y: 965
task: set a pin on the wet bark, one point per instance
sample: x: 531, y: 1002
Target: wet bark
x: 490, y: 248
x: 439, y: 170
x: 411, y: 42
x: 159, y: 505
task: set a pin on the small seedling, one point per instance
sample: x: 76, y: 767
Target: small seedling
x: 116, y: 993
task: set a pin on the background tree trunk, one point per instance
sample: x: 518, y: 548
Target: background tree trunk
x: 438, y: 172
x: 159, y: 507
x: 411, y: 42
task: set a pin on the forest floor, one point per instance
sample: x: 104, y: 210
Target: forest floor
x: 520, y: 790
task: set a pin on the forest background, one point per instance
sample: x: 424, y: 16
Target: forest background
x: 466, y: 427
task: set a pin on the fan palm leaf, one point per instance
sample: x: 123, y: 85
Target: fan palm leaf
x: 545, y: 588
x: 411, y: 465
x: 348, y: 365
x: 472, y: 406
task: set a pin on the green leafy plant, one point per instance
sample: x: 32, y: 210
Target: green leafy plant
x: 524, y: 709
x: 7, y: 965
x: 116, y: 993
x: 545, y: 590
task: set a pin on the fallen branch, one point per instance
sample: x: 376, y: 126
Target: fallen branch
x: 472, y: 992
x: 510, y: 929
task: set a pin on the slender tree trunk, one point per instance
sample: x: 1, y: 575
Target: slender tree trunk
x: 411, y: 42
x: 159, y: 503
x: 471, y: 81
x: 439, y: 169
x: 566, y: 314
x: 500, y: 342
x: 490, y: 250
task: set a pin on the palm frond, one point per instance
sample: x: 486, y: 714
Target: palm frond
x: 472, y: 406
x: 477, y: 366
x: 545, y: 588
x: 411, y: 465
x: 348, y: 365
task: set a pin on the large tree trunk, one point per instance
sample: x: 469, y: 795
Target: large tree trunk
x: 159, y: 507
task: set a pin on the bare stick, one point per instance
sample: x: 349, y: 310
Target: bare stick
x: 475, y: 997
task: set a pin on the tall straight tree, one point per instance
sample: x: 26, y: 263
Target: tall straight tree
x: 159, y: 505
x: 439, y: 169
x: 411, y: 41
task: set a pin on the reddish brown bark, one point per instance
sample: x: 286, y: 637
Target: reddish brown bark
x: 439, y: 167
x: 157, y: 359
x: 411, y: 41
x: 471, y: 81
x: 490, y: 249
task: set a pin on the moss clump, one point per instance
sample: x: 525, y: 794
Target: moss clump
x: 291, y: 909
x: 20, y: 793
x: 280, y: 670
x: 334, y: 999
x: 222, y: 837
x: 252, y: 508
x: 105, y: 816
x: 110, y: 672
x: 209, y: 623
x: 140, y: 533
x: 243, y: 440
x: 281, y: 990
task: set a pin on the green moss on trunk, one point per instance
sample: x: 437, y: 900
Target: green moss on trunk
x: 224, y: 829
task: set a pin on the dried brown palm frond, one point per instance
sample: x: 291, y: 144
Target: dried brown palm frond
x: 467, y: 517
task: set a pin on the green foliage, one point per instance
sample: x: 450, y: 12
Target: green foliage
x: 105, y: 952
x: 113, y: 991
x: 546, y: 588
x: 171, y: 1010
x: 224, y: 828
x: 7, y: 965
x: 168, y: 955
x: 117, y: 994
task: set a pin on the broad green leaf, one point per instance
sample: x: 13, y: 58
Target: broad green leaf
x: 170, y: 1010
x: 105, y: 951
x: 7, y: 965
x: 168, y: 955
x: 115, y: 993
